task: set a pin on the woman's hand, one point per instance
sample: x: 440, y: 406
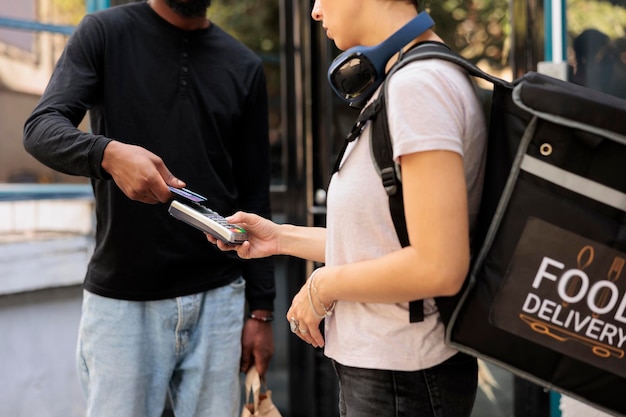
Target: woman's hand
x: 306, y: 313
x: 262, y: 236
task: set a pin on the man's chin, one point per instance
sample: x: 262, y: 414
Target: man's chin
x: 189, y: 8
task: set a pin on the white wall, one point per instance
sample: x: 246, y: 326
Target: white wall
x: 44, y: 249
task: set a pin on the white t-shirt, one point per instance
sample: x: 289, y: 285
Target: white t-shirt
x: 431, y: 104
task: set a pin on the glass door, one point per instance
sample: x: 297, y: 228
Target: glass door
x: 596, y: 44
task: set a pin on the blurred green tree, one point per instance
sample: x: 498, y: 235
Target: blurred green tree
x: 607, y: 16
x: 477, y: 29
x: 67, y: 12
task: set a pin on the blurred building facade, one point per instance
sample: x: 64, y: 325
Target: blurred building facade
x: 46, y: 224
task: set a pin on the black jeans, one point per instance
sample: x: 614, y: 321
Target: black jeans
x: 445, y: 390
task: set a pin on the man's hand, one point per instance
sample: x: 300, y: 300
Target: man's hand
x: 139, y: 173
x: 257, y: 343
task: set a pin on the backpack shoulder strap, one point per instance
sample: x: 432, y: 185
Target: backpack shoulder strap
x: 438, y: 50
x: 382, y: 153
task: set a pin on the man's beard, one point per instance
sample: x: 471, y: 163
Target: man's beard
x: 189, y: 8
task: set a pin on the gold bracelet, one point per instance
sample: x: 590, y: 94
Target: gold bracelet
x: 328, y: 311
x: 308, y: 287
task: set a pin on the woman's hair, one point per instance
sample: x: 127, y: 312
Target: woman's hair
x: 414, y: 3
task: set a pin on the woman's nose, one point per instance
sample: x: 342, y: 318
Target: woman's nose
x: 316, y: 12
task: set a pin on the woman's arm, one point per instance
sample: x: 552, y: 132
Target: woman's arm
x: 303, y: 242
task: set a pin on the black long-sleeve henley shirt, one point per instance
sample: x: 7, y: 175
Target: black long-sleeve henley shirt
x: 195, y: 98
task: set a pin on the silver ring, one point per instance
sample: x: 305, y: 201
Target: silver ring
x: 293, y: 324
x: 301, y: 330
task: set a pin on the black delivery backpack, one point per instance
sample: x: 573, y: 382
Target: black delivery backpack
x: 546, y: 295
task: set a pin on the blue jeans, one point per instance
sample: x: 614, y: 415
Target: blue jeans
x: 131, y: 354
x: 445, y: 390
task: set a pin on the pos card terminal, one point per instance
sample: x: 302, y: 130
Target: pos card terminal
x: 192, y: 212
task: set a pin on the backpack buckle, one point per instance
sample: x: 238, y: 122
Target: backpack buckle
x: 389, y: 180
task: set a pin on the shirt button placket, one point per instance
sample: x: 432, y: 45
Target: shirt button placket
x: 184, y: 65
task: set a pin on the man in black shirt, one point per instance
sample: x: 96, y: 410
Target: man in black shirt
x: 170, y: 95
